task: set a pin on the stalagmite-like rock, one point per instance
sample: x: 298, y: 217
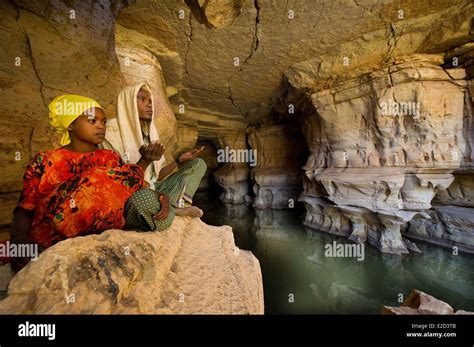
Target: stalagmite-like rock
x: 233, y: 175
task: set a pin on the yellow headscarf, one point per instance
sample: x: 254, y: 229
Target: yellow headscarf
x: 65, y: 109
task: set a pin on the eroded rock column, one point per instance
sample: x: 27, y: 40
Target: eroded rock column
x: 277, y: 175
x: 233, y: 176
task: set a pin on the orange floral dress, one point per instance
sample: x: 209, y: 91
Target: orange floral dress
x: 74, y: 193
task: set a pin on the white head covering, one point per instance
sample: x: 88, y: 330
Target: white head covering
x: 125, y: 134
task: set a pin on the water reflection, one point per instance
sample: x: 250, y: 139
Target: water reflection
x: 299, y: 278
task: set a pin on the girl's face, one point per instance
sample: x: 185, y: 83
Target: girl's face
x: 145, y: 105
x: 89, y: 126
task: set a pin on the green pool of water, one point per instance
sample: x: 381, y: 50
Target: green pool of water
x: 299, y: 278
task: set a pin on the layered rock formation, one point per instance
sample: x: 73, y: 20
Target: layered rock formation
x: 228, y: 56
x: 386, y: 133
x: 189, y: 268
x: 451, y: 221
x: 383, y: 144
x: 233, y: 175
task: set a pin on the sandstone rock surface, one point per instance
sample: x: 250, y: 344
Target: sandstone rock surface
x: 189, y: 268
x: 204, y: 38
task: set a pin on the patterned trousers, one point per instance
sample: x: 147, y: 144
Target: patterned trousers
x: 180, y: 188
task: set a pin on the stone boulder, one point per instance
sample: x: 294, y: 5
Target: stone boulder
x: 419, y: 302
x: 189, y: 268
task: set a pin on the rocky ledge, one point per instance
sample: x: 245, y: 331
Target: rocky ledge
x: 190, y: 268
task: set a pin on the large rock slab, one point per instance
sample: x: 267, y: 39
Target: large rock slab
x: 189, y: 268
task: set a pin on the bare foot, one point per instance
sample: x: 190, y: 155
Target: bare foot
x: 191, y: 211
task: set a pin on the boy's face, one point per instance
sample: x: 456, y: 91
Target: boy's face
x: 144, y: 103
x: 89, y: 126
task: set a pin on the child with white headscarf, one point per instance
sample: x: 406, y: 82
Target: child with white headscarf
x: 131, y: 134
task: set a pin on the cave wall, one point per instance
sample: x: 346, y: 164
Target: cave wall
x: 193, y: 39
x: 377, y: 162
